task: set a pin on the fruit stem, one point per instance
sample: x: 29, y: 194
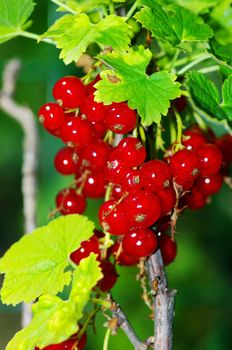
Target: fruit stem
x: 106, y: 339
x: 64, y: 6
x: 132, y: 10
x: 172, y: 63
x: 180, y: 128
x: 194, y: 63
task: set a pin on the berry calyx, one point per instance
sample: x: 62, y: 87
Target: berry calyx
x: 51, y: 115
x: 140, y: 243
x: 69, y: 202
x: 120, y: 118
x: 69, y: 92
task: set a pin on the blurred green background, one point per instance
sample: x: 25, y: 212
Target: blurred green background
x: 202, y: 270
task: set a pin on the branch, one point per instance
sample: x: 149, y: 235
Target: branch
x: 123, y: 323
x: 164, y: 301
x: 24, y: 116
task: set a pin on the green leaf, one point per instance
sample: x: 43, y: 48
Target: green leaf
x: 174, y: 24
x: 227, y: 97
x: 74, y: 33
x: 205, y: 94
x: 222, y: 52
x: 196, y: 6
x: 55, y: 320
x: 87, y: 5
x: 150, y: 95
x: 36, y: 264
x: 13, y: 17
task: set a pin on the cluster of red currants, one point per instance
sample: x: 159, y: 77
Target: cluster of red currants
x: 140, y: 193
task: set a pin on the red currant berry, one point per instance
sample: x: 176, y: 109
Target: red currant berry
x: 95, y: 155
x: 180, y: 103
x: 167, y: 199
x: 185, y: 166
x: 76, y: 132
x: 168, y: 248
x: 195, y: 199
x: 132, y: 151
x: 51, y: 115
x: 66, y: 161
x: 224, y: 143
x: 116, y: 169
x: 55, y: 132
x: 69, y: 92
x: 211, y: 159
x: 121, y: 257
x: 110, y: 276
x: 69, y: 202
x: 132, y: 180
x: 210, y: 184
x: 100, y: 128
x: 87, y: 247
x: 117, y: 192
x: 112, y: 218
x: 69, y: 344
x: 120, y: 118
x: 193, y: 139
x: 141, y: 208
x: 95, y: 185
x: 140, y: 243
x: 155, y: 175
x: 94, y: 111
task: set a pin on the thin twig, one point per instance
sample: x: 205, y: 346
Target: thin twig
x: 164, y: 301
x: 24, y: 116
x: 124, y: 324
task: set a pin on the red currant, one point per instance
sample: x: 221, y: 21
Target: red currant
x: 90, y: 89
x: 131, y: 151
x: 142, y: 208
x: 168, y: 248
x: 76, y: 132
x: 112, y: 218
x: 69, y: 344
x: 69, y: 92
x: 94, y: 111
x: 120, y: 118
x: 66, y: 161
x: 140, y: 243
x: 117, y: 192
x: 110, y: 276
x: 121, y: 257
x: 116, y: 169
x: 87, y: 247
x: 180, y: 103
x: 185, y: 166
x: 51, y: 115
x: 211, y: 159
x: 100, y: 128
x: 167, y: 199
x: 132, y: 180
x: 95, y: 155
x: 195, y: 199
x: 69, y: 202
x: 210, y: 184
x: 193, y: 139
x: 95, y: 185
x: 155, y: 175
